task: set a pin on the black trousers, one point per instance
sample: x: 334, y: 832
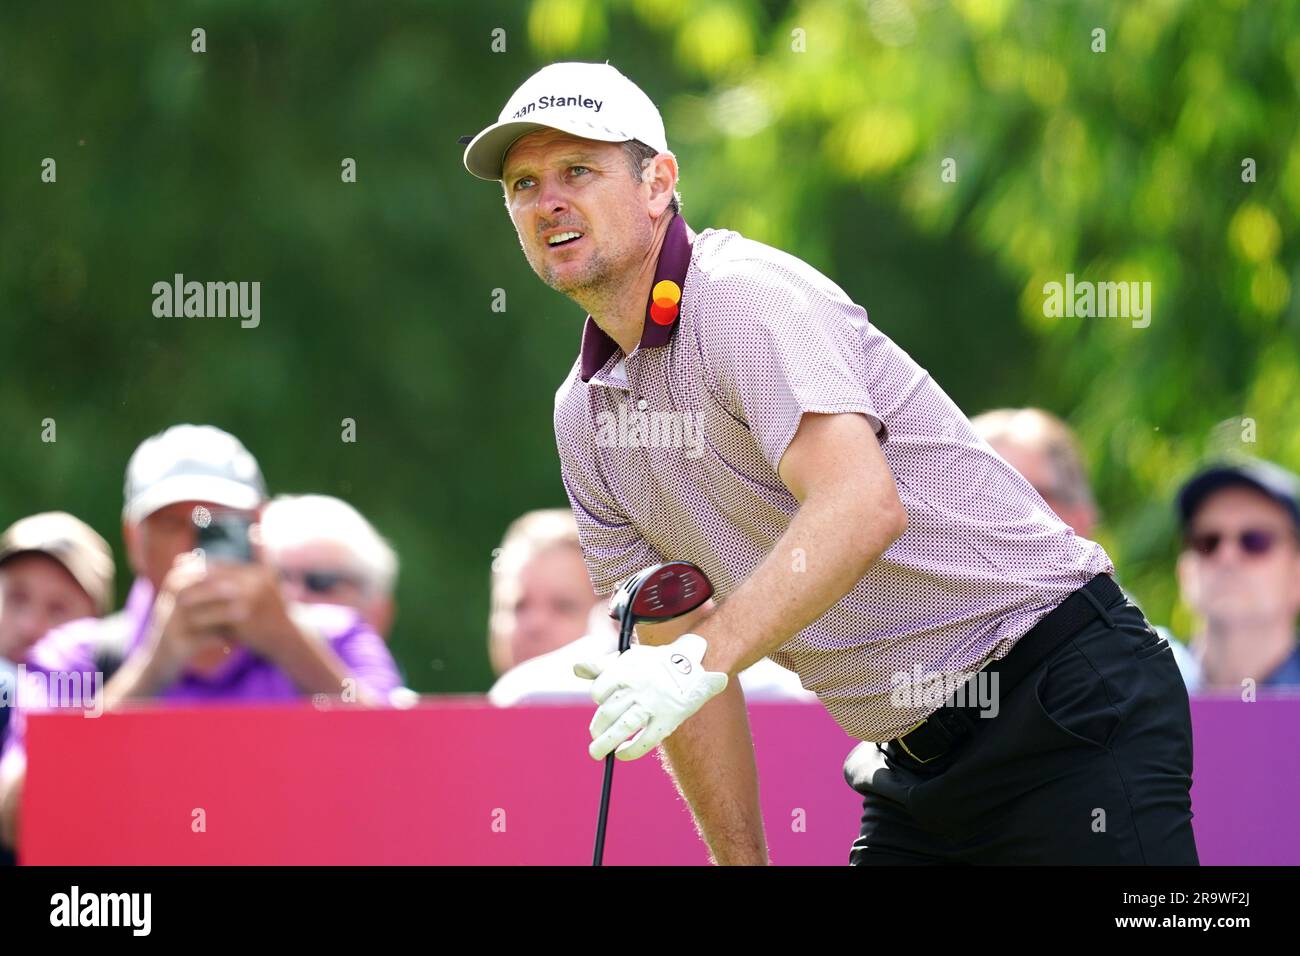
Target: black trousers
x: 1088, y: 761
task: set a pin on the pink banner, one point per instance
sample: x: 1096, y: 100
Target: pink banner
x: 455, y: 781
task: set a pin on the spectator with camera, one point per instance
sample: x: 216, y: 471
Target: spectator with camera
x: 205, y: 620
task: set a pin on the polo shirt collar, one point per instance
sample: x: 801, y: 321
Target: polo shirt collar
x: 674, y: 261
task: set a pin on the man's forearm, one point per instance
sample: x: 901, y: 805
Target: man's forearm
x: 711, y: 760
x: 143, y: 675
x: 831, y: 542
x: 313, y: 665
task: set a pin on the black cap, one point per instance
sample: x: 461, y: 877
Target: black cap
x: 1264, y: 476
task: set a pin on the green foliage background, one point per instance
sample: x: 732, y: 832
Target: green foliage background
x: 376, y: 296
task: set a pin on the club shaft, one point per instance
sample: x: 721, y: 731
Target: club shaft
x: 624, y: 642
x: 604, y: 811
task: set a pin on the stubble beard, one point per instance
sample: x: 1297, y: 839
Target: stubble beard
x: 592, y: 280
x: 593, y: 288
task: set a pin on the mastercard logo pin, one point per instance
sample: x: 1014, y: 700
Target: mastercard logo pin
x: 665, y: 297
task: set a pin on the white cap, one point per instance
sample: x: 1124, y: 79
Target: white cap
x: 191, y: 463
x: 591, y: 100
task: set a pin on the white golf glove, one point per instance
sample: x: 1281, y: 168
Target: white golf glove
x: 655, y: 688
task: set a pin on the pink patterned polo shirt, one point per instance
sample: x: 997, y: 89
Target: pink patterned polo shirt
x: 671, y: 453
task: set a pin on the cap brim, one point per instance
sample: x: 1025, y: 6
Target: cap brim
x: 486, y: 152
x: 1192, y: 494
x: 206, y: 488
x: 98, y: 586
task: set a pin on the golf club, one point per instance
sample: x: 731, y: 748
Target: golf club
x: 659, y: 593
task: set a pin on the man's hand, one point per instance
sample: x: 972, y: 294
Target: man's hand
x: 244, y: 602
x: 647, y: 688
x: 176, y: 640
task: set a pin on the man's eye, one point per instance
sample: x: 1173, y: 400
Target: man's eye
x: 576, y: 168
x: 519, y: 182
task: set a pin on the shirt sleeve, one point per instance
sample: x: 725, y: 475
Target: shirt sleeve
x: 363, y: 652
x: 775, y: 344
x: 612, y: 547
x: 59, y: 665
x: 369, y: 660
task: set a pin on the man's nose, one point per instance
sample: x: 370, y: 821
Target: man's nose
x: 1229, y: 552
x: 553, y: 195
x: 527, y: 619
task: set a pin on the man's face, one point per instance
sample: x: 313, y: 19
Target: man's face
x: 554, y: 183
x: 158, y: 539
x: 555, y: 598
x: 326, y: 572
x: 1230, y: 583
x: 36, y: 594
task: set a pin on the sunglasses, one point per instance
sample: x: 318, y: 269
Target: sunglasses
x: 1254, y: 541
x: 322, y: 582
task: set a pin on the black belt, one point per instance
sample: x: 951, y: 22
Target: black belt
x: 951, y: 723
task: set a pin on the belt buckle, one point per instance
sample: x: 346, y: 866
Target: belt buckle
x: 901, y: 741
x: 949, y: 724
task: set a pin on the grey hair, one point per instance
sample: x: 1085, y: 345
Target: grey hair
x: 292, y: 520
x: 638, y: 154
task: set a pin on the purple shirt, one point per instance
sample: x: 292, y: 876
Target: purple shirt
x: 243, y: 676
x: 672, y: 453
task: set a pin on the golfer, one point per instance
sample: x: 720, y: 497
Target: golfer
x: 732, y: 407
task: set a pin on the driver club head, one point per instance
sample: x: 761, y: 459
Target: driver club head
x: 661, y: 592
x: 658, y: 593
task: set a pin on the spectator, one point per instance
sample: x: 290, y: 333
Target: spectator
x: 1239, y: 571
x: 546, y: 617
x: 541, y: 597
x: 54, y: 568
x: 1043, y: 449
x: 327, y: 553
x: 200, y: 630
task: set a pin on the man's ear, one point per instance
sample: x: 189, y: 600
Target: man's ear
x: 661, y: 176
x: 1187, y: 583
x: 131, y: 538
x: 382, y: 612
